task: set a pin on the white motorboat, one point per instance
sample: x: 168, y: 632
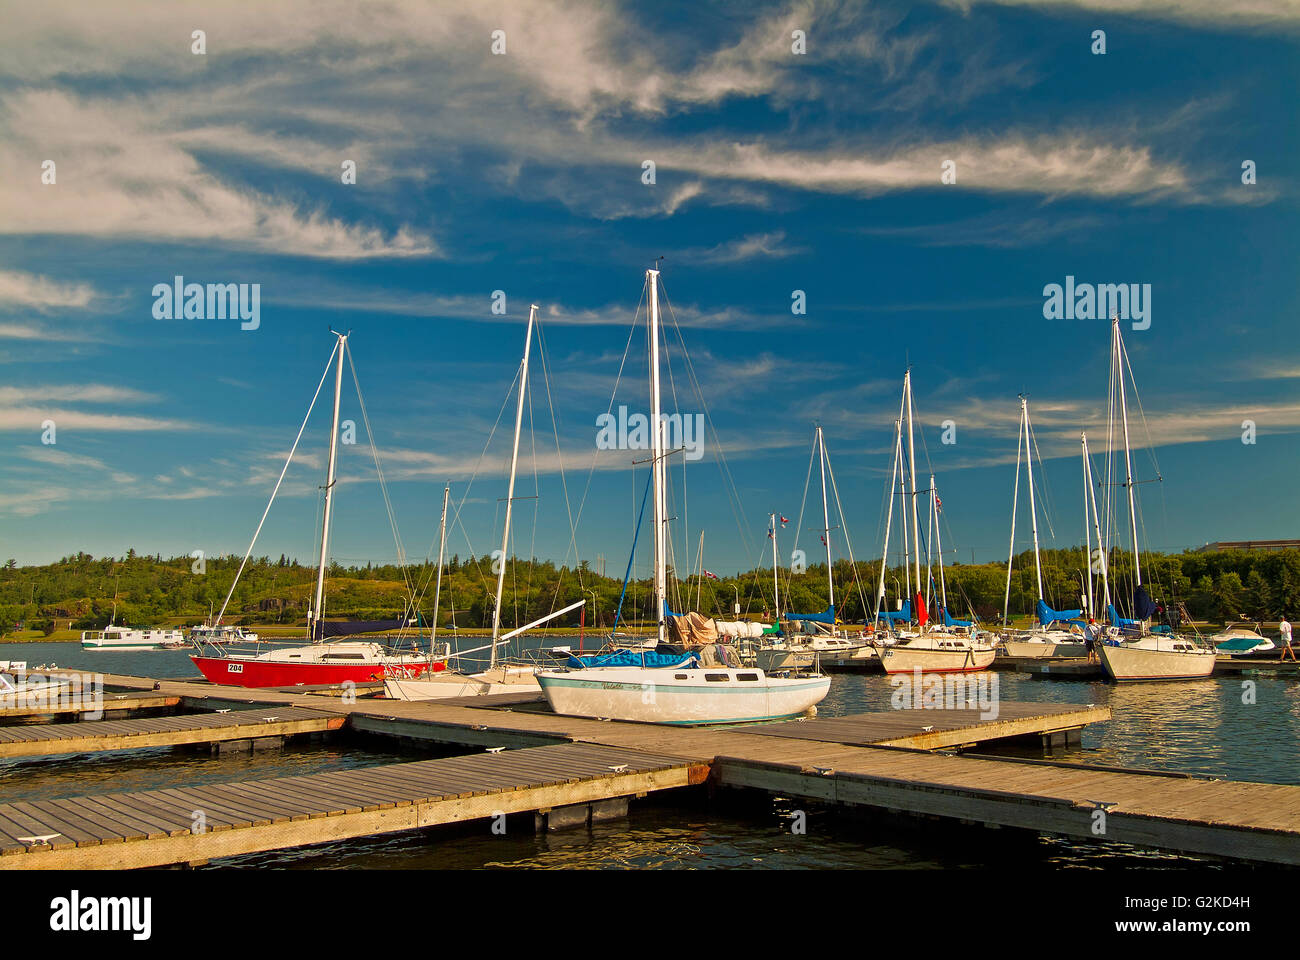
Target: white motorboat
x: 685, y: 692
x: 124, y: 638
x: 1242, y: 640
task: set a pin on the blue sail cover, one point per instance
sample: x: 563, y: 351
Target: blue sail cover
x: 1118, y: 621
x: 631, y: 658
x: 826, y: 616
x: 1144, y: 608
x: 897, y: 616
x: 950, y: 622
x: 1047, y: 615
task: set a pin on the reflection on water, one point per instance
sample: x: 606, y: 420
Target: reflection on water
x: 1210, y: 727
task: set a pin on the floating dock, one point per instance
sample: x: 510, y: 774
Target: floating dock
x: 234, y: 729
x: 875, y: 760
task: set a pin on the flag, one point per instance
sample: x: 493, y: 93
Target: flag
x: 823, y: 539
x: 711, y: 576
x: 784, y: 521
x: 771, y: 535
x: 938, y: 504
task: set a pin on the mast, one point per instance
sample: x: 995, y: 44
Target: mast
x: 1029, y: 473
x: 776, y: 584
x: 1128, y: 458
x: 318, y: 613
x: 442, y: 550
x: 1096, y: 524
x: 889, y: 516
x: 657, y: 458
x: 826, y: 527
x: 1015, y: 508
x: 1087, y: 528
x: 938, y: 549
x: 510, y: 491
x: 916, y: 522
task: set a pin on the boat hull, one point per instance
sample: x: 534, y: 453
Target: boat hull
x: 253, y: 672
x: 1125, y: 664
x: 904, y: 659
x: 446, y: 684
x: 1042, y: 650
x: 636, y: 695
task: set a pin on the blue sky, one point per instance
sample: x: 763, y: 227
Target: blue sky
x: 522, y: 172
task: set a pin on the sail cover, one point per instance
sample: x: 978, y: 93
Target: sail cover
x: 1144, y: 608
x: 1047, y: 615
x: 630, y: 658
x: 1118, y: 621
x: 348, y: 628
x: 897, y: 616
x: 826, y: 616
x: 949, y: 621
x: 692, y: 629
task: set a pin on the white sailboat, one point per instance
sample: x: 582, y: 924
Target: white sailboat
x: 686, y: 693
x: 932, y: 649
x: 817, y: 634
x: 1053, y: 635
x: 1129, y: 649
x: 499, y: 677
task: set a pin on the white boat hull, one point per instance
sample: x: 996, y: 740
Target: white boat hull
x: 446, y: 684
x: 1040, y: 649
x: 681, y: 696
x: 1132, y: 663
x: 904, y: 658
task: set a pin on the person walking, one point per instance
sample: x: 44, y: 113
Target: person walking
x: 1284, y: 638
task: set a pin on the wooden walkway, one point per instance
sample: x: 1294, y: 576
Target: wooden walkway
x: 196, y: 824
x: 92, y: 736
x: 870, y: 760
x: 113, y: 703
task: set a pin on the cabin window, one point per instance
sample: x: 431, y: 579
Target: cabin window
x: 681, y: 676
x: 716, y: 677
x: 747, y: 676
x: 344, y: 656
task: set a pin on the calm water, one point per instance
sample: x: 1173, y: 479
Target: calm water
x: 1201, y: 727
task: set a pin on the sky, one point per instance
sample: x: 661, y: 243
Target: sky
x: 916, y: 175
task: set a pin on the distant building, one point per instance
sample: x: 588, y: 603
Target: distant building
x: 1222, y: 546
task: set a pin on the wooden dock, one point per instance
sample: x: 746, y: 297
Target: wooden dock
x: 876, y: 760
x: 196, y: 824
x: 229, y: 729
x: 114, y: 705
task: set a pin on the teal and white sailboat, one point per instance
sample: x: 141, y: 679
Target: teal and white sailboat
x: 682, y: 691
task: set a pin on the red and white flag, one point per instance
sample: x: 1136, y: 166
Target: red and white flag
x: 711, y: 576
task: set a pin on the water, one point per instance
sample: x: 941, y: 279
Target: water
x: 1201, y: 727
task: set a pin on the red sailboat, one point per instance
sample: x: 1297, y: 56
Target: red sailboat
x: 326, y: 659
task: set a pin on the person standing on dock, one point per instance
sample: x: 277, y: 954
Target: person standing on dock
x: 1284, y: 639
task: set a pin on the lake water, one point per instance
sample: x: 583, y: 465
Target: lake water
x: 1201, y: 727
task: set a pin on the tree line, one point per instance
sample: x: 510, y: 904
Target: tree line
x: 150, y: 590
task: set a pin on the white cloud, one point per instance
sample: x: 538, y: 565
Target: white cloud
x: 31, y: 290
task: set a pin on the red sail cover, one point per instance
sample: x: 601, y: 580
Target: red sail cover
x: 922, y: 614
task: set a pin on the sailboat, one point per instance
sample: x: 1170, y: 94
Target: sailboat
x: 1129, y: 649
x: 323, y: 660
x: 682, y: 691
x: 499, y: 677
x: 817, y: 634
x: 938, y: 649
x: 1055, y: 634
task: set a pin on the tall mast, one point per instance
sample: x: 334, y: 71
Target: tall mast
x: 1015, y: 508
x: 889, y: 516
x: 1087, y: 530
x: 916, y: 523
x: 316, y: 629
x: 442, y: 551
x: 1029, y: 472
x: 1096, y: 524
x: 657, y: 459
x: 938, y: 547
x: 1128, y: 458
x: 776, y: 583
x: 510, y: 491
x: 826, y: 527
